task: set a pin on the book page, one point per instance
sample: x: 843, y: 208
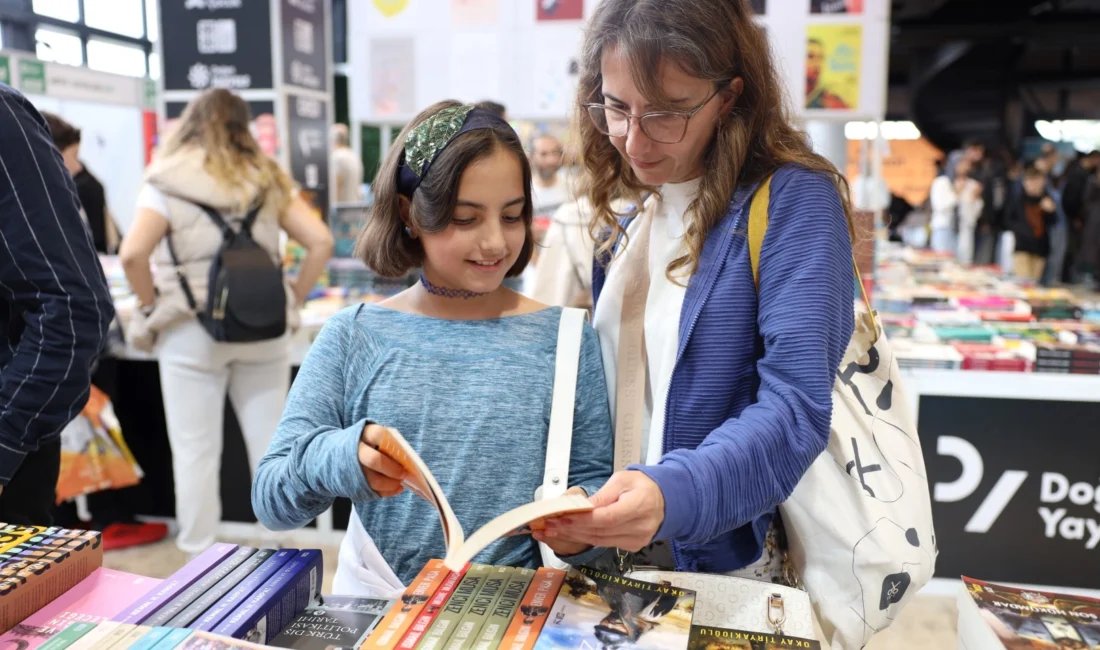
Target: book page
x: 421, y: 482
x: 520, y: 521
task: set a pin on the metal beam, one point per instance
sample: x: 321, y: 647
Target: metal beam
x: 1065, y: 31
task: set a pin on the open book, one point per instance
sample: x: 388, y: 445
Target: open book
x: 519, y: 521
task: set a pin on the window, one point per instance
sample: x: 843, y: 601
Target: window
x: 58, y: 46
x: 68, y: 10
x: 116, y: 16
x: 118, y: 58
x: 152, y: 21
x: 154, y: 66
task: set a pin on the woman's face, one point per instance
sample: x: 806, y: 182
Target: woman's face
x: 486, y: 234
x: 653, y: 162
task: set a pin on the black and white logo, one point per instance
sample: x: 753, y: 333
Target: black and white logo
x: 216, y: 36
x: 212, y: 5
x: 305, y: 60
x: 216, y: 44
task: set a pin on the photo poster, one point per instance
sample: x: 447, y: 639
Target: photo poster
x: 557, y: 68
x: 833, y: 63
x: 392, y: 77
x: 850, y: 7
x: 475, y: 13
x: 759, y: 7
x: 475, y: 66
x: 559, y: 10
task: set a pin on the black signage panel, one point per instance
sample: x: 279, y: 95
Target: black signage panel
x: 1015, y: 488
x: 216, y: 44
x: 309, y: 150
x: 260, y: 108
x: 304, y: 45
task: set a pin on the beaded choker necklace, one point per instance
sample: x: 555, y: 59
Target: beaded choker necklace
x: 447, y: 292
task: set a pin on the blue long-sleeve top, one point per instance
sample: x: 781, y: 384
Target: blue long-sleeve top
x: 472, y: 397
x: 55, y: 306
x: 750, y: 399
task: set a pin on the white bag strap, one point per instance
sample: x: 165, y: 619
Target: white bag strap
x: 560, y: 438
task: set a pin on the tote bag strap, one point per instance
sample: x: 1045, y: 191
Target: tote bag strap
x: 560, y: 438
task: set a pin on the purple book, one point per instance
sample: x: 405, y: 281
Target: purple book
x: 272, y: 608
x: 242, y: 591
x: 179, y: 581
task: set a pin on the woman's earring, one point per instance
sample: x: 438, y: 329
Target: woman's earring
x: 409, y: 232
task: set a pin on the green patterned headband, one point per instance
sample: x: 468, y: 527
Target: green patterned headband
x: 425, y: 142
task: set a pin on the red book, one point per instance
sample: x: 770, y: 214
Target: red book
x: 424, y: 621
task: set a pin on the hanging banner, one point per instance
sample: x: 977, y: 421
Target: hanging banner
x: 307, y: 127
x: 216, y: 44
x: 833, y: 66
x: 304, y: 46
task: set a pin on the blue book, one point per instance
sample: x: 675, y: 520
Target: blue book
x: 177, y: 583
x: 220, y: 590
x: 270, y: 610
x: 204, y: 584
x: 172, y: 639
x: 241, y: 592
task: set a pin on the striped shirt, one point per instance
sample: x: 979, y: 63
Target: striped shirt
x: 54, y: 303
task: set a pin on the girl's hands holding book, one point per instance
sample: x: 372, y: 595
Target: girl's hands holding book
x: 384, y: 475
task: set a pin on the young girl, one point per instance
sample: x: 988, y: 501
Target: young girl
x: 460, y: 365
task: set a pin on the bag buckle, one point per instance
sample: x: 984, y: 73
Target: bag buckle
x: 623, y: 561
x: 777, y: 614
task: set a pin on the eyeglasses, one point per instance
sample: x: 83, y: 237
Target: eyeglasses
x: 666, y: 127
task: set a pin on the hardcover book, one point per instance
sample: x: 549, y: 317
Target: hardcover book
x: 267, y: 612
x: 237, y: 595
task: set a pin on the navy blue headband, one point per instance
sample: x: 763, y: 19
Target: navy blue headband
x: 425, y: 142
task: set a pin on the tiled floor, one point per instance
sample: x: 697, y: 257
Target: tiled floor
x: 928, y: 624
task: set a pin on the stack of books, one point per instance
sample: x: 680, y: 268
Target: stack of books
x: 997, y: 617
x: 1068, y: 358
x: 977, y: 356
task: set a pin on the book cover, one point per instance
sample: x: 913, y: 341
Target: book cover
x: 118, y: 633
x: 92, y: 638
x: 41, y: 581
x: 457, y: 605
x: 335, y: 622
x: 716, y: 638
x: 172, y: 639
x: 12, y: 535
x: 596, y: 609
x: 175, y: 584
x: 389, y: 632
x: 210, y: 641
x: 267, y: 612
x: 1027, y: 618
x: 480, y: 607
x: 505, y: 610
x: 48, y: 544
x: 435, y: 605
x: 204, y: 584
x: 68, y: 636
x: 99, y: 597
x: 528, y: 622
x: 205, y: 602
x: 137, y: 634
x: 237, y: 595
x: 48, y: 552
x: 151, y: 638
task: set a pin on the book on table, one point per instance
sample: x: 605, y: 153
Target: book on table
x: 999, y: 617
x: 460, y: 549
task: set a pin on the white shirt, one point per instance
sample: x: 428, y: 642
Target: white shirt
x: 349, y: 175
x: 946, y: 204
x: 547, y: 200
x: 662, y: 311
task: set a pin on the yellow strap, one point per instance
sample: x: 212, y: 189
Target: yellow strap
x: 758, y: 225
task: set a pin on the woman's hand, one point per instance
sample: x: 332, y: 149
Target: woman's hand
x: 629, y: 510
x: 384, y: 474
x: 562, y: 547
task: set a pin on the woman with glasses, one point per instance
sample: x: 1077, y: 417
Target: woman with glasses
x: 720, y: 386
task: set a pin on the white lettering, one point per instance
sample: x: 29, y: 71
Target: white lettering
x: 1072, y: 528
x: 1081, y: 494
x: 1094, y: 534
x: 1051, y: 520
x: 1055, y: 487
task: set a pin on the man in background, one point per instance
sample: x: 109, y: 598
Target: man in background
x: 92, y: 194
x: 1075, y: 185
x: 54, y: 311
x: 972, y: 150
x: 1032, y: 214
x: 348, y: 166
x: 549, y: 185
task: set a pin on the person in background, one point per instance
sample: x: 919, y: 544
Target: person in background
x: 973, y: 150
x: 55, y: 309
x: 1075, y: 187
x: 1031, y: 214
x: 211, y: 158
x: 1058, y: 232
x: 956, y: 206
x: 1089, y: 255
x: 92, y: 195
x: 549, y: 185
x: 495, y: 108
x: 348, y: 167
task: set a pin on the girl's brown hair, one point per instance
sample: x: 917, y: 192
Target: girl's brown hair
x: 217, y: 122
x: 385, y: 246
x: 715, y: 40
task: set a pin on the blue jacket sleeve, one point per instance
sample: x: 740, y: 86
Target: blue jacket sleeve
x: 51, y: 282
x: 314, y: 455
x: 751, y: 464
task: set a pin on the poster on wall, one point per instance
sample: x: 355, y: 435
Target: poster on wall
x: 836, y: 6
x: 216, y: 45
x: 307, y: 131
x: 474, y: 13
x: 304, y: 46
x: 833, y: 66
x: 264, y: 127
x: 560, y: 9
x: 475, y: 67
x: 557, y: 66
x: 392, y: 76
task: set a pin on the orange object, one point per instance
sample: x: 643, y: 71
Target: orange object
x: 533, y: 611
x: 405, y: 612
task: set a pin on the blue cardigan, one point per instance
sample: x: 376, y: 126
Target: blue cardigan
x: 750, y: 401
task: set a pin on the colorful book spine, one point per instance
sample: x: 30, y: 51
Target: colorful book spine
x: 12, y: 535
x: 505, y: 610
x: 172, y: 639
x: 151, y: 638
x: 533, y: 610
x: 68, y: 636
x: 137, y: 634
x: 268, y: 611
x: 93, y: 637
x: 176, y: 584
x: 196, y: 609
x: 114, y: 636
x: 457, y: 606
x: 28, y: 585
x: 435, y: 605
x: 411, y: 604
x: 196, y: 591
x: 32, y: 536
x: 482, y: 605
x: 229, y: 603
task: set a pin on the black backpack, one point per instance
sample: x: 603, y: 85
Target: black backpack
x: 246, y: 296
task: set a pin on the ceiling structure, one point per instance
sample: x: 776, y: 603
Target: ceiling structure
x: 989, y: 68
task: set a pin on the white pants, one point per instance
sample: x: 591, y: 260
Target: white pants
x: 964, y: 250
x: 196, y: 372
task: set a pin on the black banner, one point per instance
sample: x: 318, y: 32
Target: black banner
x: 1015, y: 488
x: 216, y: 44
x: 173, y: 110
x: 307, y: 120
x: 304, y: 45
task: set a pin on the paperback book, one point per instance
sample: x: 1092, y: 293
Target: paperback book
x: 334, y: 623
x: 997, y: 617
x: 716, y: 638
